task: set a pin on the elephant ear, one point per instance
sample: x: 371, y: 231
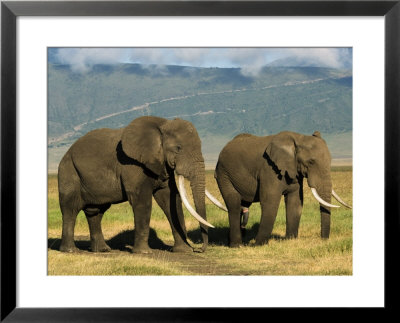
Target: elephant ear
x: 317, y: 134
x: 141, y: 140
x: 282, y: 152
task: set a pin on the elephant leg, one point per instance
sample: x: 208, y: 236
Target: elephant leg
x: 269, y: 210
x: 141, y: 205
x: 294, y: 207
x: 232, y: 200
x: 94, y: 216
x: 68, y: 227
x: 69, y: 213
x: 170, y: 202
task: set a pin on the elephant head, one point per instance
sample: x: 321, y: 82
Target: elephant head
x: 161, y: 144
x: 296, y: 156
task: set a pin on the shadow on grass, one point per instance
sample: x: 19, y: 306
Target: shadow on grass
x: 220, y: 235
x: 123, y: 241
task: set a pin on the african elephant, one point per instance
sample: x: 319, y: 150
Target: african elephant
x: 110, y: 166
x: 262, y: 169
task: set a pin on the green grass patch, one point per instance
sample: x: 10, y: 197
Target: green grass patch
x: 306, y: 255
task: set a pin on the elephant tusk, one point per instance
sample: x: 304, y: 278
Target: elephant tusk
x: 185, y: 201
x: 337, y: 197
x: 215, y: 201
x: 320, y: 200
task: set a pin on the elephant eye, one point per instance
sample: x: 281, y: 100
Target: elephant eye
x: 178, y: 148
x: 311, y: 161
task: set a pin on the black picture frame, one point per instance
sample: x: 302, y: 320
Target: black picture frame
x: 10, y: 10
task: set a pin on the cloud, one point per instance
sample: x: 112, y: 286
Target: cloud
x: 250, y: 60
x: 82, y: 59
x: 327, y: 57
x: 200, y: 57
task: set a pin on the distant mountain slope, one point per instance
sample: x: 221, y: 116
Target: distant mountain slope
x: 220, y: 102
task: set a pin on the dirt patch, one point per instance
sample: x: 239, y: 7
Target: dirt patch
x: 194, y: 263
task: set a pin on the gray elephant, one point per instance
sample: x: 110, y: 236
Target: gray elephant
x: 262, y: 169
x: 110, y: 166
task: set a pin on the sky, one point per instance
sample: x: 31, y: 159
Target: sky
x: 250, y: 60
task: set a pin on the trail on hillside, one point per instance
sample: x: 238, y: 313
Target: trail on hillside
x: 146, y: 105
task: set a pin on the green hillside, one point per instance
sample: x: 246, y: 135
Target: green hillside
x: 220, y: 102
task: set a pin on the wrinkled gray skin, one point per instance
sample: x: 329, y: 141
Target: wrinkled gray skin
x: 262, y: 169
x: 110, y: 166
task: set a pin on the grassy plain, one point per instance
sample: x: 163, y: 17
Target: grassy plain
x: 307, y: 255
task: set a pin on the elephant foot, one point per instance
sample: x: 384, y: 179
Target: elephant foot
x: 200, y: 250
x: 235, y: 245
x: 68, y: 248
x: 182, y: 248
x: 260, y: 242
x: 100, y: 247
x: 142, y: 249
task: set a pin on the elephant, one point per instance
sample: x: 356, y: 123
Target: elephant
x: 262, y: 169
x: 111, y: 166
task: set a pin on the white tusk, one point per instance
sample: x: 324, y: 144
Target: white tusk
x: 215, y: 201
x: 185, y: 201
x: 320, y: 200
x: 337, y: 197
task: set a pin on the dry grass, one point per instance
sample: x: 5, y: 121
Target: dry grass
x: 307, y: 255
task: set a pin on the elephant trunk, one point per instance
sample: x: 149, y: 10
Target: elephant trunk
x: 197, y: 184
x: 325, y: 216
x: 322, y: 191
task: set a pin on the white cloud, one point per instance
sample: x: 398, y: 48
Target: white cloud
x: 82, y: 59
x: 250, y: 60
x: 332, y: 57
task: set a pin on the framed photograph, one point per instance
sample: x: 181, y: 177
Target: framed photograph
x: 103, y: 101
